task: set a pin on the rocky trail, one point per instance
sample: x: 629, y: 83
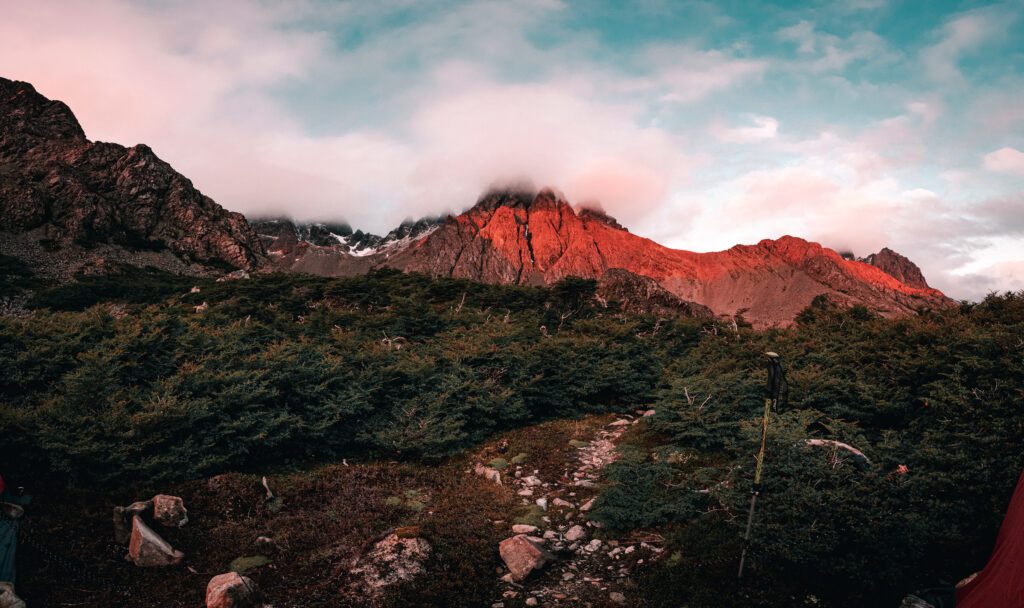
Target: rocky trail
x: 556, y: 555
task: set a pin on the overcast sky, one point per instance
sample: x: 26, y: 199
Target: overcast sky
x: 859, y: 124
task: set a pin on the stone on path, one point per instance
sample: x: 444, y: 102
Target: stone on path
x: 576, y: 533
x: 147, y: 549
x: 231, y: 590
x: 487, y: 473
x: 524, y: 529
x: 169, y: 511
x: 522, y: 556
x: 391, y: 561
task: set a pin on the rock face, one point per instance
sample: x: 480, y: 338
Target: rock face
x: 231, y: 590
x: 69, y: 191
x: 147, y: 549
x: 522, y: 556
x: 898, y: 267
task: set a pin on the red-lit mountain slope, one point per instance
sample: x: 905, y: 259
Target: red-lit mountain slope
x: 517, y: 237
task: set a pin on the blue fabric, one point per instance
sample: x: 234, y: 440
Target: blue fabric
x: 8, y: 545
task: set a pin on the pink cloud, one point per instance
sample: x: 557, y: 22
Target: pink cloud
x: 1005, y: 160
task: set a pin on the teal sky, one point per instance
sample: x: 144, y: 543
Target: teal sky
x: 859, y: 124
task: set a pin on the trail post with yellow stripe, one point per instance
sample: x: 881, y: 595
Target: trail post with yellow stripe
x: 778, y: 393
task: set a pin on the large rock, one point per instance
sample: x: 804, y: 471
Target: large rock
x: 231, y: 590
x: 395, y: 559
x: 522, y: 556
x: 8, y: 599
x: 169, y: 511
x: 147, y: 549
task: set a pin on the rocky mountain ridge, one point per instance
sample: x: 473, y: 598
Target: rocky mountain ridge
x: 69, y: 203
x: 98, y: 200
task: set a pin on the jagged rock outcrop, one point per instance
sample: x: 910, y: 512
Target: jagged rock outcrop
x: 69, y: 191
x: 898, y: 267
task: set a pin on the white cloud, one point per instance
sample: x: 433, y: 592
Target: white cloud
x: 958, y: 37
x: 1005, y: 160
x: 826, y: 52
x: 764, y: 127
x: 682, y: 74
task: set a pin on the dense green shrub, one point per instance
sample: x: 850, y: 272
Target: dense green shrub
x: 285, y: 369
x: 939, y: 393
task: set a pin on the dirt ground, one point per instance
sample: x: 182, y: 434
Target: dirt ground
x: 326, y: 518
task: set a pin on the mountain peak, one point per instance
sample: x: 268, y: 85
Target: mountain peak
x: 897, y: 266
x: 67, y: 190
x: 29, y: 116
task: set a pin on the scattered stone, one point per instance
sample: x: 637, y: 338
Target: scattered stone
x: 265, y: 543
x: 576, y: 533
x: 617, y: 597
x: 593, y: 545
x: 392, y: 560
x: 558, y: 502
x: 531, y: 601
x: 202, y: 307
x: 583, y: 483
x: 542, y: 503
x: 531, y: 481
x: 147, y: 549
x: 8, y: 599
x: 524, y: 529
x: 234, y: 276
x: 487, y: 473
x: 195, y: 289
x: 169, y: 511
x: 525, y: 492
x: 522, y: 556
x: 231, y: 590
x: 621, y: 422
x: 587, y: 505
x: 649, y: 413
x: 568, y: 576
